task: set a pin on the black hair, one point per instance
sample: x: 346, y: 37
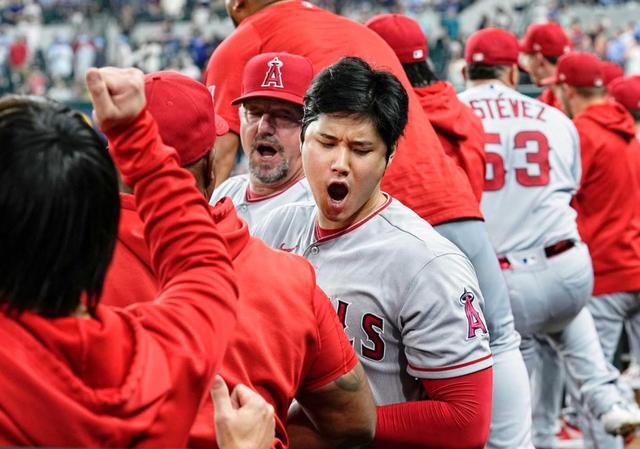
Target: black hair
x: 419, y: 74
x: 552, y: 59
x: 485, y: 71
x: 351, y: 86
x: 59, y: 208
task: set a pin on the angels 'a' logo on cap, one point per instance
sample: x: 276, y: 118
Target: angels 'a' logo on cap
x: 273, y: 77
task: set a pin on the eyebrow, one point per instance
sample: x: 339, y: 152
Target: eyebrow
x: 358, y: 143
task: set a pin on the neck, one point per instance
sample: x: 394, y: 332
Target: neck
x: 376, y: 200
x: 580, y: 104
x: 269, y: 189
x: 473, y: 83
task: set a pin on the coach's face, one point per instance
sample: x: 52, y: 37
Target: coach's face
x: 270, y: 135
x: 344, y: 160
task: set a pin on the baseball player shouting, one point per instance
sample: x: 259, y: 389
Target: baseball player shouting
x: 533, y: 171
x: 542, y: 45
x: 273, y: 88
x: 608, y: 198
x: 422, y: 176
x: 462, y: 136
x: 408, y: 299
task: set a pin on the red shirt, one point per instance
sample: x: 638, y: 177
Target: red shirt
x: 549, y: 97
x: 288, y: 337
x: 607, y: 200
x: 460, y: 130
x: 134, y: 376
x: 421, y: 175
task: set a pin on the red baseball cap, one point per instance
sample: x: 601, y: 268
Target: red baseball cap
x: 626, y: 91
x: 577, y: 69
x: 183, y: 109
x: 492, y: 46
x: 403, y: 34
x: 611, y: 71
x: 276, y: 75
x: 546, y: 38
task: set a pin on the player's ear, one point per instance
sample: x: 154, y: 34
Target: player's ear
x: 390, y: 157
x: 237, y: 5
x: 514, y: 75
x: 465, y: 75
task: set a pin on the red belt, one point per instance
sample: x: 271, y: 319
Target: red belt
x: 549, y: 251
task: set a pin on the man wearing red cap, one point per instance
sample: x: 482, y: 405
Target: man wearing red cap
x: 307, y: 358
x: 541, y: 46
x: 611, y: 72
x: 533, y: 154
x: 462, y: 136
x: 273, y: 87
x: 609, y: 194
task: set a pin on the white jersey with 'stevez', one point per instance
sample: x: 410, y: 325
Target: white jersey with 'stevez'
x: 408, y: 298
x: 533, y: 168
x: 253, y: 211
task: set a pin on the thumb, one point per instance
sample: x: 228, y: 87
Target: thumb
x: 220, y: 396
x: 99, y: 92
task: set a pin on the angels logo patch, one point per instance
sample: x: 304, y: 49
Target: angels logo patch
x: 273, y: 77
x: 474, y: 320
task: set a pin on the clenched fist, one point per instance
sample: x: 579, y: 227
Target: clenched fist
x: 117, y: 95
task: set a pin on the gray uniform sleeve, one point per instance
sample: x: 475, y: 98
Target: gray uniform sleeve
x: 442, y: 326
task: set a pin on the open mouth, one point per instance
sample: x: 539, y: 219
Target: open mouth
x: 266, y: 150
x: 338, y: 191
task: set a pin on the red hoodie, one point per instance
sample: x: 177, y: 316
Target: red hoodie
x: 135, y: 376
x: 607, y: 200
x: 460, y: 131
x: 270, y: 352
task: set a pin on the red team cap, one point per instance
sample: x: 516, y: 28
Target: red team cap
x: 626, y: 91
x: 276, y: 75
x: 577, y: 69
x: 492, y: 46
x: 193, y: 134
x: 611, y: 71
x: 403, y: 34
x: 546, y: 38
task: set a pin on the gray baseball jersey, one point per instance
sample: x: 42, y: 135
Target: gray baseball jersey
x: 533, y: 168
x: 253, y: 211
x: 408, y: 298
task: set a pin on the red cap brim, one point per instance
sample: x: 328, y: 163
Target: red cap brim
x: 286, y: 96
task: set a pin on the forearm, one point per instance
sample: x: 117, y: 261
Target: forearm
x: 304, y: 435
x: 456, y: 417
x: 226, y: 148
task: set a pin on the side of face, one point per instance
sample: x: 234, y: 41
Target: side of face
x: 270, y: 136
x: 566, y: 93
x: 344, y: 159
x: 201, y: 170
x: 537, y: 67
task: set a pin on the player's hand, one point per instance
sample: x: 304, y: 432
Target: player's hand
x: 117, y: 95
x: 243, y: 420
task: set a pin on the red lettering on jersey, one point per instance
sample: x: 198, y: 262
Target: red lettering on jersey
x: 525, y: 110
x: 474, y: 320
x: 500, y: 106
x: 479, y: 112
x: 342, y: 316
x: 515, y: 107
x: 487, y: 101
x: 539, y: 116
x: 373, y: 326
x: 273, y: 77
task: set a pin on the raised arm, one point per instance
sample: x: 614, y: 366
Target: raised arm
x: 195, y: 310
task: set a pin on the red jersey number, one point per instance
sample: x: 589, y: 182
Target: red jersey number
x: 540, y: 157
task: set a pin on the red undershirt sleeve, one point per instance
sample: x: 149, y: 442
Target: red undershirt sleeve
x: 456, y: 415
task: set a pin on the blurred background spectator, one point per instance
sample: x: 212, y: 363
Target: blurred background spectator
x: 47, y: 45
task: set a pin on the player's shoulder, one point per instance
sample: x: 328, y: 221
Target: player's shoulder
x: 231, y: 187
x: 285, y: 220
x: 417, y: 238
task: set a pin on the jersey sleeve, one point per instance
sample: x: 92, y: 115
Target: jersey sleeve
x: 442, y: 326
x: 224, y: 71
x: 334, y: 356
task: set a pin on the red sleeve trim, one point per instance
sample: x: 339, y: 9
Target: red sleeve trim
x: 452, y: 367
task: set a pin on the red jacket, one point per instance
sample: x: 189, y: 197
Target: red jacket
x: 607, y: 200
x: 288, y: 336
x: 134, y: 376
x: 459, y: 130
